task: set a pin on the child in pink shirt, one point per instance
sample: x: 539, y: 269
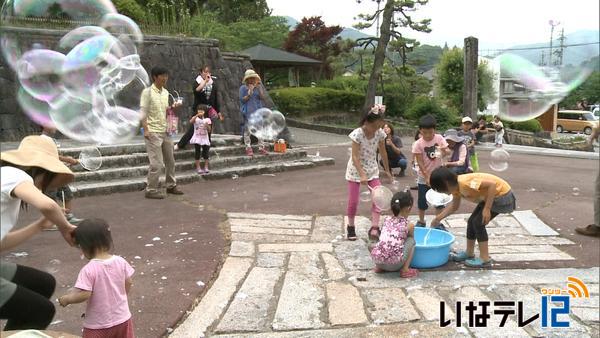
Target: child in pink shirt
x: 104, y: 283
x: 428, y: 152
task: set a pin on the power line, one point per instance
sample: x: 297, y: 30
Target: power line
x: 538, y: 48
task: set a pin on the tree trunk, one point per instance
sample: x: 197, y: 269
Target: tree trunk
x: 384, y: 39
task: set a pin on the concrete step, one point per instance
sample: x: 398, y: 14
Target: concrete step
x: 138, y: 146
x: 138, y: 183
x: 183, y: 165
x: 132, y: 159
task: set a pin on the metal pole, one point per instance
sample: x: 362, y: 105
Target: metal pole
x: 552, y: 25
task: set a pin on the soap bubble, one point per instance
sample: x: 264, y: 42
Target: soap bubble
x: 527, y: 90
x: 90, y: 158
x: 19, y: 14
x: 89, y: 87
x: 365, y: 196
x: 53, y: 266
x: 382, y: 197
x: 39, y: 73
x: 38, y: 111
x: 499, y: 159
x: 265, y: 124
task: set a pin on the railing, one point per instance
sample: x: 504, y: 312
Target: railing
x: 180, y: 28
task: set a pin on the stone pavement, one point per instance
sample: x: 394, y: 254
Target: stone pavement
x: 295, y: 276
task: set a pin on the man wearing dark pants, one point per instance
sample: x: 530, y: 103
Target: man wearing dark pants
x: 154, y: 103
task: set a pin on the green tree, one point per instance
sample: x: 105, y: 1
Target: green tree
x: 271, y: 31
x: 229, y: 11
x: 450, y: 81
x: 589, y: 91
x: 394, y: 16
x: 132, y: 9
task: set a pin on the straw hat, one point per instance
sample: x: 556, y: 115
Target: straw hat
x: 452, y: 135
x: 250, y: 73
x: 41, y: 152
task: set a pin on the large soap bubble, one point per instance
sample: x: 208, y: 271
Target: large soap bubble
x: 266, y: 124
x: 499, y: 159
x: 526, y: 89
x: 88, y: 86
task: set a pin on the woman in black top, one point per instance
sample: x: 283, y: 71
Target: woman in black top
x: 393, y: 144
x: 205, y: 92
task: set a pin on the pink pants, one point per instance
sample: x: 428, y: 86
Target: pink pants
x: 353, y: 192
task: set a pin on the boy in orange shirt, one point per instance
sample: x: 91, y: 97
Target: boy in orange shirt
x: 492, y: 195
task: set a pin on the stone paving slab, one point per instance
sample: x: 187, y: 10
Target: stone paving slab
x: 471, y: 293
x: 324, y: 286
x: 533, y: 224
x: 302, y: 294
x: 248, y: 310
x: 345, y: 307
x: 423, y: 329
x: 333, y: 267
x: 271, y: 223
x: 268, y: 216
x: 267, y: 238
x: 241, y: 249
x: 387, y: 306
x: 215, y: 300
x: 296, y: 247
x: 328, y: 228
x: 274, y: 231
x: 427, y: 302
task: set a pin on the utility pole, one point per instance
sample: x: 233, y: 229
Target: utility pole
x: 552, y: 25
x: 542, y: 60
x: 559, y: 52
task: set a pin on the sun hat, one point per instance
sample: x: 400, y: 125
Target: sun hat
x: 452, y: 135
x: 467, y: 119
x: 41, y: 152
x: 250, y: 73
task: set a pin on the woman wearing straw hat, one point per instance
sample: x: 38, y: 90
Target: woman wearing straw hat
x: 252, y: 96
x: 26, y: 174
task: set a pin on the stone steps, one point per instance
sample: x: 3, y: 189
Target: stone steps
x: 125, y: 166
x: 184, y: 165
x: 138, y: 183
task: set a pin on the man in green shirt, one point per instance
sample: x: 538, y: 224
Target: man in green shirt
x: 154, y: 103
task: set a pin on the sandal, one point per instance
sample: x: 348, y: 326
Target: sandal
x: 351, y: 232
x: 478, y: 263
x: 410, y: 273
x: 374, y: 233
x: 461, y: 256
x: 420, y: 224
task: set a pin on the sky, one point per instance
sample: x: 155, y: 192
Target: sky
x: 496, y: 23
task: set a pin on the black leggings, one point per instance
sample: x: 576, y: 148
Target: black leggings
x: 29, y: 307
x: 475, y: 227
x: 201, y: 150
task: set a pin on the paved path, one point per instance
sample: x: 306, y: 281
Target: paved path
x: 295, y: 276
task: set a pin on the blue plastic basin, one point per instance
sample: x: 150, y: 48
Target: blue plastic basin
x: 437, y: 250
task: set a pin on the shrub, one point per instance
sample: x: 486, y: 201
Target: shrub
x: 303, y: 100
x: 424, y: 105
x: 530, y: 125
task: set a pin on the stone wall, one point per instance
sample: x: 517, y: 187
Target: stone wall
x: 182, y: 56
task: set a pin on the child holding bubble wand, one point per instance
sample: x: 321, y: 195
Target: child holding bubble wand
x: 104, y: 282
x: 492, y: 195
x: 396, y: 246
x: 362, y: 168
x: 200, y: 139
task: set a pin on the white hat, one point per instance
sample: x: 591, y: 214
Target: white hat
x: 452, y: 135
x: 250, y: 73
x: 467, y: 119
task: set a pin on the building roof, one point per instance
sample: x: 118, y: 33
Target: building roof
x: 265, y: 54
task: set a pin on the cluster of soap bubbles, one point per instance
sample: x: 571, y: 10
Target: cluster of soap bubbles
x: 266, y: 124
x: 88, y: 85
x: 527, y: 90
